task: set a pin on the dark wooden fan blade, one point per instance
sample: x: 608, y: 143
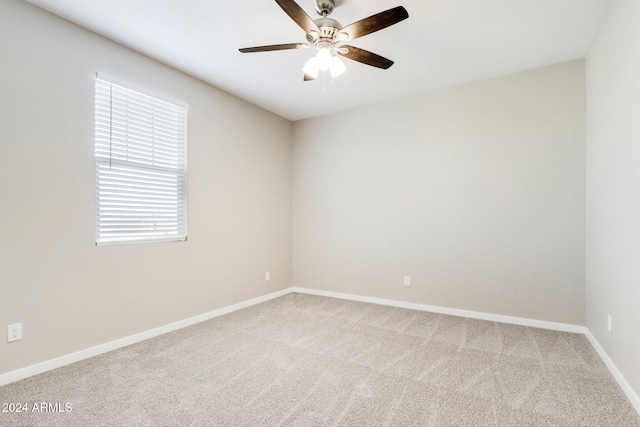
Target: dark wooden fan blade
x: 375, y: 23
x: 308, y: 78
x: 300, y: 17
x: 272, y: 47
x: 366, y: 57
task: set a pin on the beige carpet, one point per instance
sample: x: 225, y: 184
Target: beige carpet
x: 303, y: 360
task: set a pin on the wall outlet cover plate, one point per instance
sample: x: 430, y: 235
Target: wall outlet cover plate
x: 14, y: 332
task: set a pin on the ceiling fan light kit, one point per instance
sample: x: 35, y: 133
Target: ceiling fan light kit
x: 327, y: 36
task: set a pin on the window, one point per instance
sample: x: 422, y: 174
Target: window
x: 141, y: 167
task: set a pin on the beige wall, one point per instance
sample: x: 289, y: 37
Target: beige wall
x: 613, y: 190
x: 476, y: 192
x: 70, y: 295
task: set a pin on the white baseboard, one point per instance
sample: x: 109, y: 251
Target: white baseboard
x: 564, y: 327
x: 624, y: 385
x: 68, y: 359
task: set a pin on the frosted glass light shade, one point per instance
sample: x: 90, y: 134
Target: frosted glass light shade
x: 337, y: 67
x: 311, y: 68
x: 324, y: 59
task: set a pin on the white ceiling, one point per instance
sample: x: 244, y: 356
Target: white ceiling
x: 443, y: 43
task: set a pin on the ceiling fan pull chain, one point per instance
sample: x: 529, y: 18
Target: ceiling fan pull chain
x: 324, y: 82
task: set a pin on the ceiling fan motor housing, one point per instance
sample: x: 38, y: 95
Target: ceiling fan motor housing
x: 328, y: 27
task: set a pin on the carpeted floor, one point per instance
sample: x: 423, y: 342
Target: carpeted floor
x: 303, y: 360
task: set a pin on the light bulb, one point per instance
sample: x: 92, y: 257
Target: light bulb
x: 337, y: 67
x: 311, y: 67
x: 324, y: 59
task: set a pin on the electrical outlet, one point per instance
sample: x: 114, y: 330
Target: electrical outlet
x: 609, y: 322
x: 407, y: 281
x: 14, y: 332
x: 267, y: 276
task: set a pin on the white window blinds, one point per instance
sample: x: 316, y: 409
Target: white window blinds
x: 141, y: 167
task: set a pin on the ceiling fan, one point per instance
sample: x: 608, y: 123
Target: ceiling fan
x: 327, y: 36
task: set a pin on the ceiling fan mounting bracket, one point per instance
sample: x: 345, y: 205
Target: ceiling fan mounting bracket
x: 325, y: 7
